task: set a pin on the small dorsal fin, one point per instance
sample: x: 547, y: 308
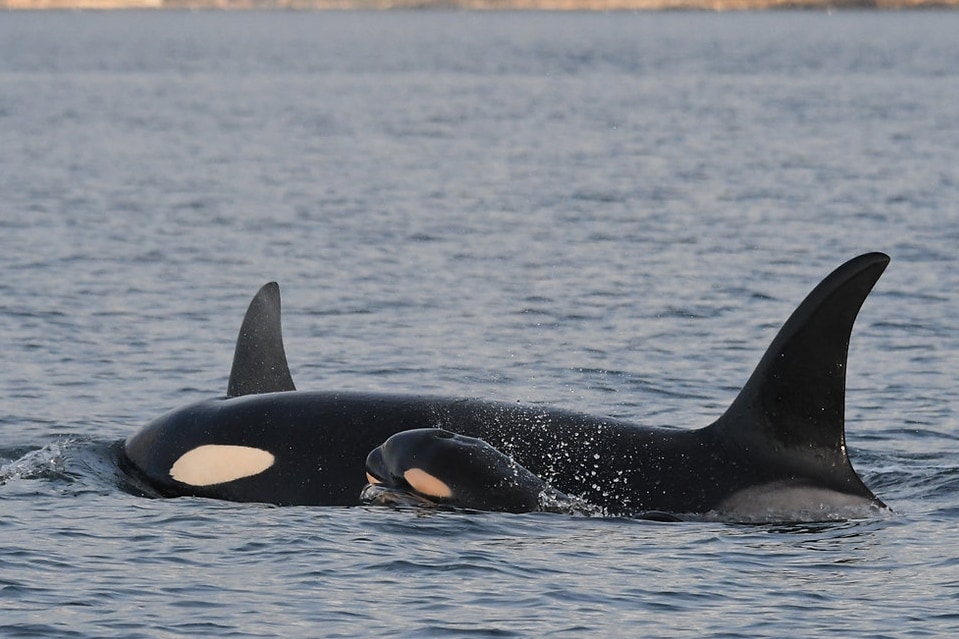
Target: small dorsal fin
x: 259, y: 362
x: 792, y: 407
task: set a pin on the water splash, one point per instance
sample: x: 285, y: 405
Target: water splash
x: 48, y: 462
x: 553, y: 501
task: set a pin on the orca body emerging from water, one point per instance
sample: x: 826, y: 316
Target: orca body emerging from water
x: 437, y: 467
x: 777, y: 453
x: 432, y: 467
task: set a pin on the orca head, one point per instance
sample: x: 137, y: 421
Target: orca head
x: 440, y: 467
x: 397, y: 464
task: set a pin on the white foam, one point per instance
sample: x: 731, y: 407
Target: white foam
x: 36, y: 463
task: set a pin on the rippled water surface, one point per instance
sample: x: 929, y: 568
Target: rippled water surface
x: 610, y: 213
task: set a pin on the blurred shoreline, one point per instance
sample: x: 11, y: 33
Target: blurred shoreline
x: 505, y: 5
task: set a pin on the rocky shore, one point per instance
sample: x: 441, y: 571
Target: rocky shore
x: 555, y: 5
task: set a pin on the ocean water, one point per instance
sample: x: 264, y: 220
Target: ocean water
x: 610, y: 213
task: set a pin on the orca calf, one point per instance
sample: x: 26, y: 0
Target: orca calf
x: 778, y: 453
x: 435, y: 467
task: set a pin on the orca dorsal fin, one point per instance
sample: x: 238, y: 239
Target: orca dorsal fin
x: 791, y: 411
x: 259, y: 361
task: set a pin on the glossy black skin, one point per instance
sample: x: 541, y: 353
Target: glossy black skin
x: 786, y: 426
x: 325, y: 439
x: 479, y: 476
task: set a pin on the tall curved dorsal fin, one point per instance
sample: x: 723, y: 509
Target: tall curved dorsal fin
x: 259, y: 362
x: 792, y: 408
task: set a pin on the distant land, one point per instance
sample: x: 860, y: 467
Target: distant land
x: 503, y: 5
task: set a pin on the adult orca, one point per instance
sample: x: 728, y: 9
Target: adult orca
x: 777, y: 453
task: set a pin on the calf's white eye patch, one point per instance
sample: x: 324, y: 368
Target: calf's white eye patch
x: 218, y: 463
x: 426, y: 484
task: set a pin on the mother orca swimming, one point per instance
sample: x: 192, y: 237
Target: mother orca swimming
x: 777, y: 453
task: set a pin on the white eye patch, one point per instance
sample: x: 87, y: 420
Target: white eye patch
x: 426, y: 484
x: 217, y: 464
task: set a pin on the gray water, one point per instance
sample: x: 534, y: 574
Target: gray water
x: 610, y: 213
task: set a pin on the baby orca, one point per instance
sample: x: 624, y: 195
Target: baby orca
x: 438, y: 467
x: 432, y: 467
